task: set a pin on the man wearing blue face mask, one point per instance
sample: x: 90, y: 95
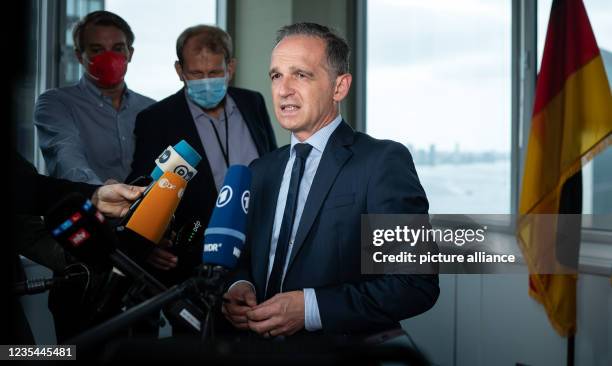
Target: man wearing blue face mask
x: 225, y: 125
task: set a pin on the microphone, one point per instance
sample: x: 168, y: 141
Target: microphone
x: 150, y: 220
x: 224, y: 238
x: 180, y: 159
x: 190, y: 235
x: 82, y: 230
x: 39, y: 285
x: 188, y: 247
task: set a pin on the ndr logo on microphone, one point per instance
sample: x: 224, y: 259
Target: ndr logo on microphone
x: 212, y: 247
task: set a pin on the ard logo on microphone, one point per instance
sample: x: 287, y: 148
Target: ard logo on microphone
x: 246, y: 196
x: 225, y: 195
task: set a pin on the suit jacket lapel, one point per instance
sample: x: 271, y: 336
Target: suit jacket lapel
x: 248, y: 114
x: 333, y: 159
x: 273, y: 177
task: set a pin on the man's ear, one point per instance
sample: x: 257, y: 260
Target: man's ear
x: 130, y: 54
x: 231, y: 69
x: 343, y: 84
x: 79, y: 56
x: 179, y: 70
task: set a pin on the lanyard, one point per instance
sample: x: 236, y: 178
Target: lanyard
x: 225, y: 151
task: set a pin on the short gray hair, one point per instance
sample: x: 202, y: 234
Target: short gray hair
x: 336, y: 48
x: 214, y: 39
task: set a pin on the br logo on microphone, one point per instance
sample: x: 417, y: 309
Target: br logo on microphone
x: 225, y: 195
x: 246, y: 196
x: 165, y: 156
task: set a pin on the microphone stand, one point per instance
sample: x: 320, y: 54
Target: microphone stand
x: 100, y: 332
x: 212, y: 282
x: 208, y: 286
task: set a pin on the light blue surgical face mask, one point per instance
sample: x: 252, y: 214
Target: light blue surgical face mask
x: 207, y: 93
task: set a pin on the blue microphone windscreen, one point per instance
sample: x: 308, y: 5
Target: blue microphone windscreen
x: 157, y: 173
x: 224, y: 238
x: 188, y: 153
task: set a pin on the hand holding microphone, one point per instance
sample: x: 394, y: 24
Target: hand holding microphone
x: 114, y: 200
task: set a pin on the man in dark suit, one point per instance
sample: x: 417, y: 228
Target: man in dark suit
x: 301, y: 270
x: 225, y: 125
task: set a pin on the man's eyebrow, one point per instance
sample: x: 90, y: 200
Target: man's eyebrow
x: 297, y: 69
x: 292, y: 70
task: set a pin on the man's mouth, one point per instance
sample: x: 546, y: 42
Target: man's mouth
x: 289, y: 107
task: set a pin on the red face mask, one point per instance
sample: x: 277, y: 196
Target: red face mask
x: 108, y: 68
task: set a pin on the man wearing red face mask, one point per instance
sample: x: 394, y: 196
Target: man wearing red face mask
x: 86, y: 130
x: 86, y: 135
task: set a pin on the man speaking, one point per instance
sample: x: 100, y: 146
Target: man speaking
x: 301, y: 270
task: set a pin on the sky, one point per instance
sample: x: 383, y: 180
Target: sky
x: 439, y: 71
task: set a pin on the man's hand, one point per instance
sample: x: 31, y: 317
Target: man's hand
x: 162, y: 259
x: 114, y: 200
x: 237, y: 302
x: 283, y: 314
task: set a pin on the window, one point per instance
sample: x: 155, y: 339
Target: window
x: 151, y: 71
x: 70, y: 70
x: 596, y: 175
x: 25, y: 90
x: 438, y: 81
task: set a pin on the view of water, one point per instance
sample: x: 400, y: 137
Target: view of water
x: 476, y: 188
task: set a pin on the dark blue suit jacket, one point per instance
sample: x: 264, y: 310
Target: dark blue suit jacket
x: 357, y: 175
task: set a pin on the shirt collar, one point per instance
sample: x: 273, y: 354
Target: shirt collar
x: 197, y: 112
x: 91, y: 88
x: 320, y: 138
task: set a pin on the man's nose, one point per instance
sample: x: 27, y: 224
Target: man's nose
x: 285, y: 87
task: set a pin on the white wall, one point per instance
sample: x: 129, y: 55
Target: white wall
x: 490, y: 319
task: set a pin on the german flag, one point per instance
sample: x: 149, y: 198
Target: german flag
x: 571, y: 123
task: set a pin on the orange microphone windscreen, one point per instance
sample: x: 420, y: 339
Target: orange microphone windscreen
x: 154, y: 213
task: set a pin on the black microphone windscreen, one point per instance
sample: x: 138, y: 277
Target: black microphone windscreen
x: 81, y: 229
